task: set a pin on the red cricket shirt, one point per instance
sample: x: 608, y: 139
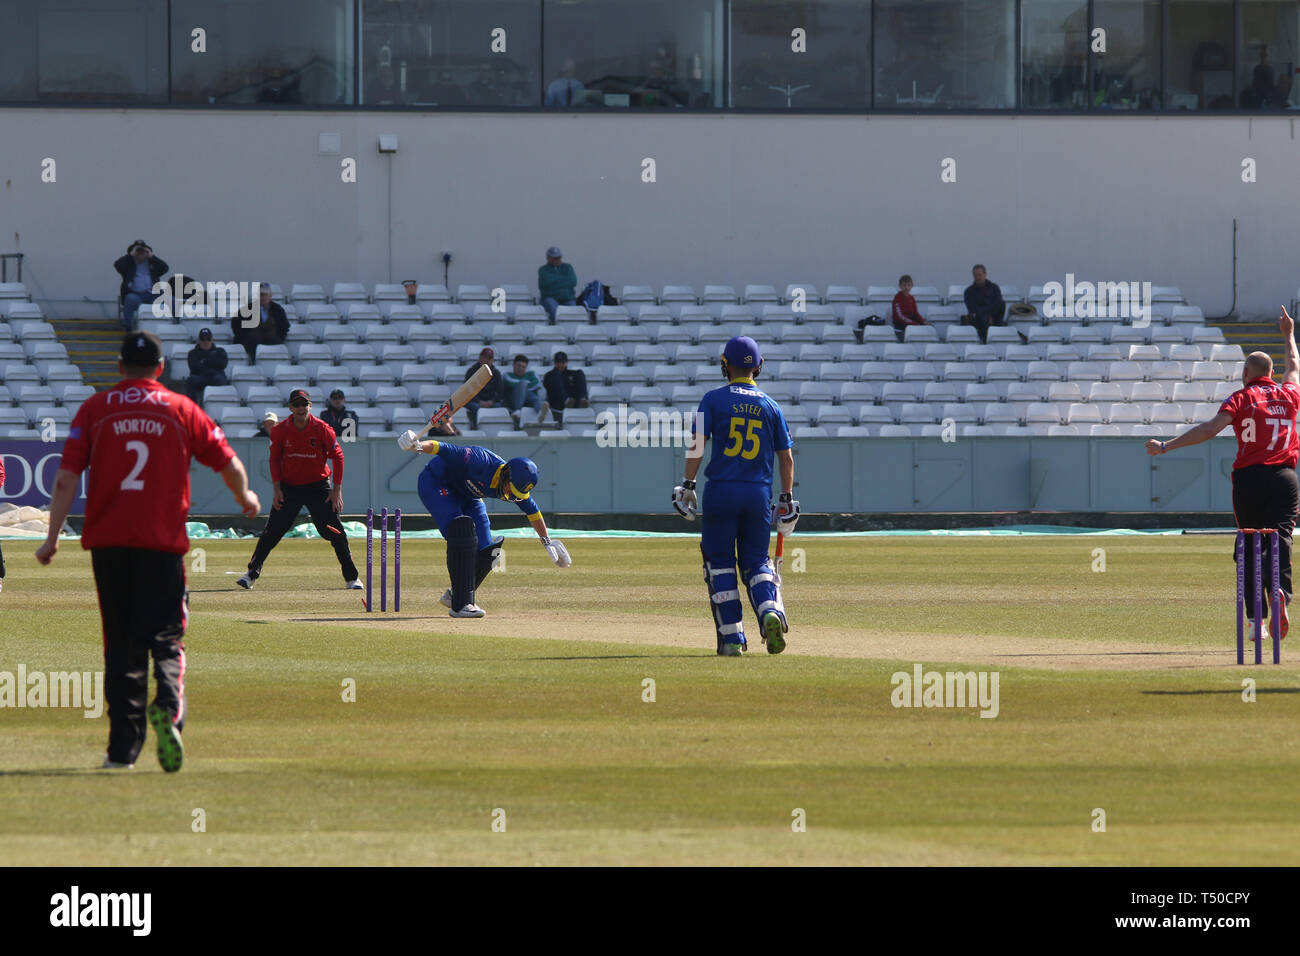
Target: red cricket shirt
x: 1263, y: 417
x: 137, y: 439
x: 904, y: 309
x: 301, y: 457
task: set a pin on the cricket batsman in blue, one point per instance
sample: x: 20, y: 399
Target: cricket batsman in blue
x: 453, y: 487
x: 749, y: 433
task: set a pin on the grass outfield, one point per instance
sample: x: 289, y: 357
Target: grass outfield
x: 1130, y: 704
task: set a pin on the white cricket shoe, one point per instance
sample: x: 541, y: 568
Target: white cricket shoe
x: 246, y: 582
x: 469, y: 610
x: 355, y: 585
x: 445, y: 600
x: 114, y: 765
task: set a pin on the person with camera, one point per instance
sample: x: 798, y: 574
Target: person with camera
x: 140, y: 270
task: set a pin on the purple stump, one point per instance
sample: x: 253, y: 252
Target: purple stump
x: 397, y: 560
x: 370, y: 552
x: 1277, y: 598
x: 1257, y: 595
x: 1240, y: 555
x: 383, y: 560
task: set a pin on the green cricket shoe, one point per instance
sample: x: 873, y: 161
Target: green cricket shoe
x: 170, y: 751
x: 773, y: 632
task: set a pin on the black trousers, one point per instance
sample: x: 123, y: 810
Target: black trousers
x: 316, y: 499
x: 1266, y: 496
x: 982, y: 323
x: 143, y: 605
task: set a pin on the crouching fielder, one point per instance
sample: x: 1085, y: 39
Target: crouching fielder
x: 453, y: 487
x: 748, y: 431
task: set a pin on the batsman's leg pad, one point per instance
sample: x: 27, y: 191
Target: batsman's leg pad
x: 764, y: 595
x: 724, y: 596
x: 462, y: 555
x: 485, y: 559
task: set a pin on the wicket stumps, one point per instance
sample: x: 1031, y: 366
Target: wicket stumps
x: 1255, y: 537
x: 383, y: 558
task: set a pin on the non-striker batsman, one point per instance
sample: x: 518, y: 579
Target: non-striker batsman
x: 749, y: 433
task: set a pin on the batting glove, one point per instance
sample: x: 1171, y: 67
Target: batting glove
x: 684, y: 499
x: 557, y: 552
x: 787, y: 514
x: 408, y: 441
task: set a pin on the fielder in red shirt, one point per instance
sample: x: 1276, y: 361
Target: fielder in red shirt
x: 1262, y: 413
x: 305, y: 455
x: 137, y: 439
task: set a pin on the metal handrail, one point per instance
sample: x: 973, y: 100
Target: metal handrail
x: 4, y: 265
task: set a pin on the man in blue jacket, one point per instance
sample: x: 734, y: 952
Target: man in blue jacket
x: 984, y: 303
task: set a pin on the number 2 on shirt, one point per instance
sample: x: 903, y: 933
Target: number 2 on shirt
x: 1278, y: 423
x: 749, y: 440
x: 132, y: 481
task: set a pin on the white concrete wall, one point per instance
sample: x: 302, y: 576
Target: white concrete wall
x: 226, y: 195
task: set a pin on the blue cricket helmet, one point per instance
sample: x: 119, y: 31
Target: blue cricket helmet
x: 521, y: 473
x: 742, y: 355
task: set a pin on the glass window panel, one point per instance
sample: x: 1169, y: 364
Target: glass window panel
x: 419, y: 53
x: 832, y: 73
x: 1054, y: 54
x: 1127, y: 75
x: 83, y: 51
x: 945, y: 54
x: 1200, y: 55
x: 1269, y: 55
x: 296, y: 52
x: 642, y: 54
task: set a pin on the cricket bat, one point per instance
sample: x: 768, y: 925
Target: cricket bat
x: 779, y: 557
x: 460, y: 398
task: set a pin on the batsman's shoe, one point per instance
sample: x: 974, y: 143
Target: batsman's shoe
x: 731, y: 649
x: 469, y: 610
x: 114, y: 765
x: 773, y: 632
x: 355, y: 585
x: 248, y: 580
x: 170, y: 751
x: 445, y: 600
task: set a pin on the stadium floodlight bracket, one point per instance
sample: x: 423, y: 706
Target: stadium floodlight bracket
x: 388, y: 142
